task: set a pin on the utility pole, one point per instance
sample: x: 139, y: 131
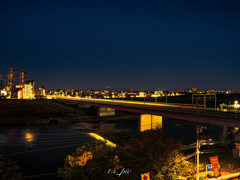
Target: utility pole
x: 166, y: 98
x: 215, y: 101
x: 204, y: 101
x: 197, y: 145
x: 192, y: 101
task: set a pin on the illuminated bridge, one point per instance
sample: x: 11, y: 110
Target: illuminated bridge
x: 175, y: 111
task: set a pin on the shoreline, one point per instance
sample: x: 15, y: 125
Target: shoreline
x: 24, y: 121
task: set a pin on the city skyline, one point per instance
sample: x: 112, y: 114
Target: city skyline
x: 147, y: 45
x: 23, y: 80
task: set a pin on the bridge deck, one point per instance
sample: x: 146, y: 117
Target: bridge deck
x: 174, y: 111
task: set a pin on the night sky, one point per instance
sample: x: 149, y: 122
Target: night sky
x: 168, y: 44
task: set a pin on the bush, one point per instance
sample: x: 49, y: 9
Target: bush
x: 147, y: 152
x: 7, y: 170
x: 94, y: 154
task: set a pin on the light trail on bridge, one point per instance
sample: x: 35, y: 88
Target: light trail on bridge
x: 183, y: 112
x: 141, y: 103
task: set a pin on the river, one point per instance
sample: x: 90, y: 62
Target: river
x: 41, y: 149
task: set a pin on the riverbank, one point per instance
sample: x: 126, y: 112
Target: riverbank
x: 25, y: 121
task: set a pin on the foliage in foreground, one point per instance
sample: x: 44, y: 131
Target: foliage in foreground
x: 7, y: 170
x: 147, y: 152
x: 94, y: 154
x: 161, y: 157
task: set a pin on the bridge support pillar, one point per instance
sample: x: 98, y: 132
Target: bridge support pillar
x: 235, y: 130
x: 83, y: 106
x: 223, y: 134
x: 236, y: 134
x: 148, y: 121
x: 102, y: 111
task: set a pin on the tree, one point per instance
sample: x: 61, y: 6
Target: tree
x: 147, y: 152
x: 94, y: 154
x: 160, y: 157
x: 7, y: 170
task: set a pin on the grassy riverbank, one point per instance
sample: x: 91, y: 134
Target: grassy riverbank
x: 22, y: 112
x: 22, y: 121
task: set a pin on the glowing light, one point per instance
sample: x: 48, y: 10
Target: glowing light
x: 236, y: 105
x: 124, y: 102
x: 145, y: 122
x: 149, y: 121
x: 109, y: 143
x: 29, y: 137
x: 106, y: 111
x: 156, y: 121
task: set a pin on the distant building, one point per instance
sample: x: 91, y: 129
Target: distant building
x: 157, y: 93
x: 194, y: 89
x: 142, y: 94
x: 25, y: 91
x: 28, y: 91
x: 131, y: 89
x: 31, y: 82
x: 11, y: 78
x: 0, y: 81
x: 19, y: 91
x: 3, y: 92
x: 40, y: 92
x: 23, y: 77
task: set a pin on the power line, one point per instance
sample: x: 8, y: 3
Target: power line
x: 45, y: 149
x: 188, y: 156
x: 42, y: 149
x: 47, y: 174
x: 84, y: 140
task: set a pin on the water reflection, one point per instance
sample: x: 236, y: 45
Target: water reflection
x: 40, y: 149
x: 98, y: 137
x: 107, y: 126
x: 10, y: 138
x: 28, y: 137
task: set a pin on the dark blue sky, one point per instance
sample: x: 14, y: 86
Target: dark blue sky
x: 172, y: 44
